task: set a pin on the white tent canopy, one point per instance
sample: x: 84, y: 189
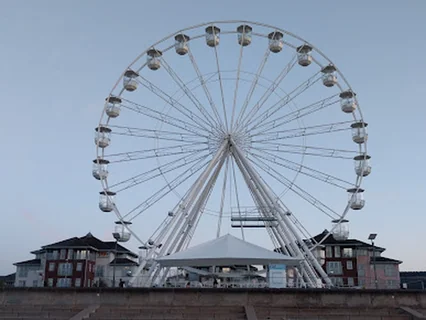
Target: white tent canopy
x: 225, y: 251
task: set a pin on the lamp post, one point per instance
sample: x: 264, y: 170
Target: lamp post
x: 115, y: 262
x: 372, y: 237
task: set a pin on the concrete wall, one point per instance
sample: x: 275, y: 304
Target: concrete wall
x: 216, y: 297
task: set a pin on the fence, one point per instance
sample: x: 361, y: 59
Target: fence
x: 238, y: 281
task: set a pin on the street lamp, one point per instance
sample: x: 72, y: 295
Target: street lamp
x: 116, y: 236
x: 372, y: 237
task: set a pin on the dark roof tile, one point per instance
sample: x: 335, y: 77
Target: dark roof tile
x: 123, y: 262
x: 33, y: 262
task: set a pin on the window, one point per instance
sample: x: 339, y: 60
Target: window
x: 78, y: 282
x: 65, y: 269
x: 334, y: 267
x: 70, y: 255
x: 55, y: 255
x: 100, y: 271
x: 347, y: 252
x: 35, y: 283
x: 22, y: 283
x: 52, y: 266
x: 79, y: 267
x: 337, y: 252
x: 361, y: 270
x: 50, y: 282
x: 361, y: 252
x: 337, y: 281
x: 392, y: 284
x: 63, y: 253
x: 349, y: 265
x: 361, y: 282
x: 23, y: 272
x: 83, y: 254
x: 350, y: 282
x: 328, y: 252
x: 64, y: 283
x: 390, y: 270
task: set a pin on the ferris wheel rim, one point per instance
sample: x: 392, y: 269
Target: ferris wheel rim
x: 361, y: 119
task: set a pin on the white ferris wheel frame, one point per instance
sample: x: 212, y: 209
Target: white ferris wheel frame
x: 362, y: 147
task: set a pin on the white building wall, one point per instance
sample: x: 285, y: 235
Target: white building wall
x: 32, y: 278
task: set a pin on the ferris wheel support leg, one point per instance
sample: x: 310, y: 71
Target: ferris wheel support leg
x: 186, y: 229
x: 179, y: 218
x: 261, y: 186
x: 281, y: 235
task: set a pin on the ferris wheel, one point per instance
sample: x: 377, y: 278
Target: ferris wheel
x: 231, y: 127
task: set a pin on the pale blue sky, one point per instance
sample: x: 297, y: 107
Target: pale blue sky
x: 59, y: 59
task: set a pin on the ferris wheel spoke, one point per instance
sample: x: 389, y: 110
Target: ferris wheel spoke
x: 164, y: 118
x: 306, y: 150
x: 294, y: 115
x: 222, y: 199
x: 269, y: 112
x: 276, y: 175
x: 234, y: 104
x: 158, y: 171
x: 271, y: 89
x: 303, y: 132
x: 221, y: 87
x: 305, y: 170
x: 206, y: 90
x: 213, y: 123
x: 253, y: 86
x: 164, y: 191
x: 203, y: 124
x: 153, y: 153
x: 237, y: 198
x: 158, y: 134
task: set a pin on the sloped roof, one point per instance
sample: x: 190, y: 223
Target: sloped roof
x: 224, y: 251
x: 89, y: 241
x: 123, y: 262
x: 384, y: 260
x: 33, y: 262
x: 9, y: 277
x: 347, y: 243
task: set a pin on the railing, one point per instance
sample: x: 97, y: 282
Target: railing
x: 247, y: 281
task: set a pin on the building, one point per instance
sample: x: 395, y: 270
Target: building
x: 354, y: 263
x: 413, y: 279
x: 77, y: 262
x: 7, y: 281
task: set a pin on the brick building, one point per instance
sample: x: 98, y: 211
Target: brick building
x: 351, y: 263
x: 76, y: 262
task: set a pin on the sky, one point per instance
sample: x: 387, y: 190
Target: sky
x: 60, y: 59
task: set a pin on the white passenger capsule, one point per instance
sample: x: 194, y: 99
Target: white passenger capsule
x: 356, y: 198
x: 347, y: 101
x: 212, y: 36
x: 153, y: 59
x: 100, y: 169
x: 244, y: 35
x: 276, y: 42
x: 362, y: 165
x: 304, y: 57
x: 113, y: 106
x: 329, y: 77
x: 120, y: 233
x: 106, y: 201
x: 129, y: 80
x: 102, y: 136
x: 359, y: 132
x: 181, y: 44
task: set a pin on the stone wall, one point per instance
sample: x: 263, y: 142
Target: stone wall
x: 304, y: 298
